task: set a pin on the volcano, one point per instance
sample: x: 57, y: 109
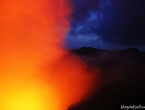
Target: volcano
x: 123, y: 77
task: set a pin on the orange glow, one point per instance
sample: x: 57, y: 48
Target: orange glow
x: 35, y: 72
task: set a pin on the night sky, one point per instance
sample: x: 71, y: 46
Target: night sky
x: 107, y: 24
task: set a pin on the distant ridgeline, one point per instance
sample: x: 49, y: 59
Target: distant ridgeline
x: 89, y: 51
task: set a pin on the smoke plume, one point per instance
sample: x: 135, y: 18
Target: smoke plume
x: 36, y: 73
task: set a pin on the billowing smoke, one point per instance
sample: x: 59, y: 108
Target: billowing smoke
x: 35, y: 72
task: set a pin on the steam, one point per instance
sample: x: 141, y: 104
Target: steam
x: 35, y: 72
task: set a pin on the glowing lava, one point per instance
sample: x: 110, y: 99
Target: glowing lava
x: 35, y: 72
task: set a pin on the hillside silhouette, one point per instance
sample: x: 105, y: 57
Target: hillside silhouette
x: 123, y: 76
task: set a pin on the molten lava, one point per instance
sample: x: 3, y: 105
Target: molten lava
x: 35, y: 72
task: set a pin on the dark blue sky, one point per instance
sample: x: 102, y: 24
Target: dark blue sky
x: 108, y: 24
